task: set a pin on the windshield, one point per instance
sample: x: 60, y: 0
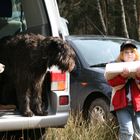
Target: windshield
x: 98, y: 51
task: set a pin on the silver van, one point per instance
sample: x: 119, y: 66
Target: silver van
x: 39, y: 17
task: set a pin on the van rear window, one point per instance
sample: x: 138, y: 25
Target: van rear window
x: 12, y: 18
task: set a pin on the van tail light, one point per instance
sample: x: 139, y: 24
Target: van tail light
x: 58, y: 80
x: 63, y: 100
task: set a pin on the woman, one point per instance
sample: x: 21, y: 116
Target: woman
x: 125, y: 99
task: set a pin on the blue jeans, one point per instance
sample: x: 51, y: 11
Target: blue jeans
x: 129, y: 122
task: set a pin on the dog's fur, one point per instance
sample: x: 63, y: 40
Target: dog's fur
x: 26, y: 58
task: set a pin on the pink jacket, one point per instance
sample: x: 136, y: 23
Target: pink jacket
x: 118, y: 98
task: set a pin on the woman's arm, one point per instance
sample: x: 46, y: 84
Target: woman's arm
x: 117, y: 80
x: 120, y: 78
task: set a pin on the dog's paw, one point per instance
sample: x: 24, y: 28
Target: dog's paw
x: 39, y: 112
x: 45, y: 113
x: 28, y: 114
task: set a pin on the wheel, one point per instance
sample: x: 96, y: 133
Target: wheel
x: 29, y: 134
x: 99, y: 111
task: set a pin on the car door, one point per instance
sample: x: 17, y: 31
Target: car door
x: 79, y: 85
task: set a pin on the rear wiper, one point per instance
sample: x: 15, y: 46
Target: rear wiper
x: 99, y: 65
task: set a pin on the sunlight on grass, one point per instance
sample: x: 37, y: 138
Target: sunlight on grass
x: 77, y: 129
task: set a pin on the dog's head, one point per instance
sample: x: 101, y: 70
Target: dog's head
x: 58, y: 52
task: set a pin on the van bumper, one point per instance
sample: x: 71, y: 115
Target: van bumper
x: 17, y: 122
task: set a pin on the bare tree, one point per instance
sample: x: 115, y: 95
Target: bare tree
x: 138, y: 7
x: 135, y: 18
x: 123, y: 20
x: 101, y: 17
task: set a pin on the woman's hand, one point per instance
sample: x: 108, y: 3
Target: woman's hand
x: 125, y: 73
x: 138, y: 72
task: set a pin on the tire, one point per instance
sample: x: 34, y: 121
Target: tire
x: 29, y: 134
x: 99, y: 111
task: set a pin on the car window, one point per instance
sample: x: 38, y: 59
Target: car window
x: 99, y: 51
x: 19, y: 16
x: 13, y: 21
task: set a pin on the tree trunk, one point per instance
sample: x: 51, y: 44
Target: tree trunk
x: 138, y: 7
x: 135, y: 18
x: 124, y: 25
x: 101, y: 17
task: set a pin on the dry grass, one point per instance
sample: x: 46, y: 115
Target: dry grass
x: 77, y: 129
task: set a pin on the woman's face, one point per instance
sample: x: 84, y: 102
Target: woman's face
x: 129, y: 54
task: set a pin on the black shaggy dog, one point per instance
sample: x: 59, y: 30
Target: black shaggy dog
x: 26, y: 58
